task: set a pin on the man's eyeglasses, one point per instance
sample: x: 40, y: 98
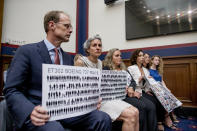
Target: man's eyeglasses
x: 67, y: 26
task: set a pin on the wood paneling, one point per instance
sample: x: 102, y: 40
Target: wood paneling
x: 177, y: 79
x: 127, y: 62
x: 180, y: 76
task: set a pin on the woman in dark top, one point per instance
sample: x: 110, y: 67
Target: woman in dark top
x: 146, y: 62
x: 147, y: 117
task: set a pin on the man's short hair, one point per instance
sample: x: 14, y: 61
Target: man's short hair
x: 52, y: 16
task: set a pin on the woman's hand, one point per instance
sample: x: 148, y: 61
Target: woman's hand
x: 137, y: 94
x: 150, y: 77
x: 150, y: 93
x: 130, y: 92
x: 141, y: 78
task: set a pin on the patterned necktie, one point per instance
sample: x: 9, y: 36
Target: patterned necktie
x: 57, y: 59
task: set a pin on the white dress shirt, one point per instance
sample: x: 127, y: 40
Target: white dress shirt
x: 51, y: 48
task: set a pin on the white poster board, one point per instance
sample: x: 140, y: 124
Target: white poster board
x: 113, y: 85
x: 69, y: 91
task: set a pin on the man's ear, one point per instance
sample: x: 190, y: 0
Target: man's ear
x: 51, y: 25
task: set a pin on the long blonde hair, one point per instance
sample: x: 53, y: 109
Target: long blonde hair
x: 160, y: 66
x: 108, y: 60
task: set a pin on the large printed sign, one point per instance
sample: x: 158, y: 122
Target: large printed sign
x: 69, y: 91
x: 113, y: 85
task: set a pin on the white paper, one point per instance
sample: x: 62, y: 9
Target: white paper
x: 69, y: 91
x: 113, y: 85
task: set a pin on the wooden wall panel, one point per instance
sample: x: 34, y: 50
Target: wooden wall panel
x: 177, y: 79
x: 194, y: 81
x: 127, y: 62
x: 180, y: 75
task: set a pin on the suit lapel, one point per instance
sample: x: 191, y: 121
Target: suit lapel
x: 67, y: 59
x: 64, y: 57
x: 44, y: 53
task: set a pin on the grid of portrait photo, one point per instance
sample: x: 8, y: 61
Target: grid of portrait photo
x: 113, y: 85
x: 166, y: 98
x: 69, y: 91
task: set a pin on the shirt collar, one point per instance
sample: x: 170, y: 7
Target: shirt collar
x: 49, y: 45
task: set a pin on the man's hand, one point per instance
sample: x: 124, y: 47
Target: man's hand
x: 39, y: 116
x: 137, y: 94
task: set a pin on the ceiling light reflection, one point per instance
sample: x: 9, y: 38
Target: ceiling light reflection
x: 189, y: 12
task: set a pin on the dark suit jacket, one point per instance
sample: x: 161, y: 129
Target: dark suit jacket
x: 23, y: 88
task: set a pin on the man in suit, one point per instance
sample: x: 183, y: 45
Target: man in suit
x: 23, y: 89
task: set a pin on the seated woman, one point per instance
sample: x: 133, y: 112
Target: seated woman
x: 139, y: 73
x: 117, y: 109
x: 147, y: 117
x: 156, y: 71
x: 146, y: 62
